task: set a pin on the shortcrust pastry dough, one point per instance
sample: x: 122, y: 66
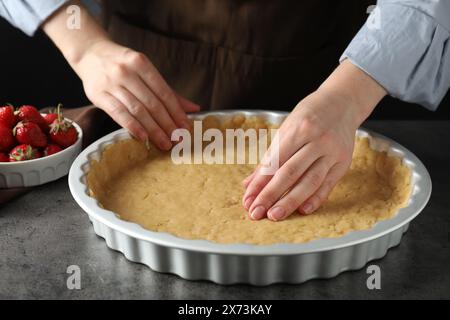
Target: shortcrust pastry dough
x: 204, y: 201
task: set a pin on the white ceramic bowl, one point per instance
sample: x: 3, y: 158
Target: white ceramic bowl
x: 40, y: 171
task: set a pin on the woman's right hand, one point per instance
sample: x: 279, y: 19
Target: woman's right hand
x: 127, y: 86
x: 122, y: 82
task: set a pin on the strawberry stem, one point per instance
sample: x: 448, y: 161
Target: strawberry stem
x: 58, y: 112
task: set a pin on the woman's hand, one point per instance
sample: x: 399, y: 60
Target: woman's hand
x: 315, y: 147
x: 315, y: 150
x: 122, y: 82
x: 127, y: 86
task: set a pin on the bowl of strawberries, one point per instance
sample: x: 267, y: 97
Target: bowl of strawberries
x: 36, y: 148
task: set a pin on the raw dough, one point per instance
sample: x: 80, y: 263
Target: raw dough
x: 204, y: 201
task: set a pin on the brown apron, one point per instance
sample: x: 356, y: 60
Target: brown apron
x: 231, y: 53
x: 263, y: 54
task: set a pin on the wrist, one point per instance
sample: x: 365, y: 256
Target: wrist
x: 74, y: 43
x: 337, y: 105
x: 76, y: 55
x: 356, y: 89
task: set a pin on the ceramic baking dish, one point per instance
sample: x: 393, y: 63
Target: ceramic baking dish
x: 250, y: 264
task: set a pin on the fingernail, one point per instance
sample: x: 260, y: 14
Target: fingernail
x: 187, y: 125
x: 166, y: 145
x: 143, y: 136
x: 307, y: 208
x: 258, y: 213
x: 248, y: 203
x: 277, y: 213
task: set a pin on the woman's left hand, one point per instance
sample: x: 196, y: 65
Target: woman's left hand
x: 315, y: 151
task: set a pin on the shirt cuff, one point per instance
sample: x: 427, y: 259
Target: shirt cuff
x: 406, y: 51
x: 28, y: 15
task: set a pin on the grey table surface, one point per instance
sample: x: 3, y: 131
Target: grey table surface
x: 44, y: 232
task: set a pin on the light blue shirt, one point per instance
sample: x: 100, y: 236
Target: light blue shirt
x: 404, y: 45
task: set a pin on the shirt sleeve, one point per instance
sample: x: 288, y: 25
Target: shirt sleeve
x: 28, y: 15
x: 404, y: 46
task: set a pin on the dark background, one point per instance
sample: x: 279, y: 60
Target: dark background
x: 34, y: 72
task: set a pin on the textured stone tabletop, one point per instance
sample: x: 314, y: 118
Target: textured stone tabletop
x: 45, y: 232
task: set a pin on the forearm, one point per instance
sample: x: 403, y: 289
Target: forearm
x: 352, y: 84
x: 73, y: 43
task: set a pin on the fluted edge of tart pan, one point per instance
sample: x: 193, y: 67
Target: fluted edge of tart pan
x: 251, y: 264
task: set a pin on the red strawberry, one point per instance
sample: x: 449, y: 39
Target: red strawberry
x: 53, y: 115
x: 51, y: 150
x: 31, y: 114
x: 6, y: 139
x: 23, y: 153
x: 4, y: 158
x: 7, y: 117
x: 63, y: 133
x: 30, y: 133
x: 50, y: 118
